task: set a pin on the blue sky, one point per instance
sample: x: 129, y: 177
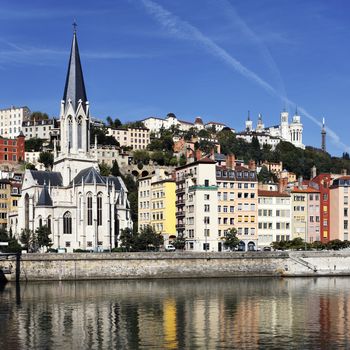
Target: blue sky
x: 211, y: 58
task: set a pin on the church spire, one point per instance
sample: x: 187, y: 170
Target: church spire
x: 323, y: 134
x: 74, y: 89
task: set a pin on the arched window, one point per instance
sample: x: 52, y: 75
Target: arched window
x: 67, y: 223
x: 99, y: 209
x: 80, y: 130
x: 26, y: 211
x: 89, y: 208
x: 40, y: 220
x: 69, y: 131
x: 48, y: 222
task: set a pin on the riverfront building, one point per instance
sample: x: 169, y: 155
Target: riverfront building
x: 340, y: 208
x: 156, y: 202
x: 12, y: 150
x: 274, y: 217
x: 82, y: 208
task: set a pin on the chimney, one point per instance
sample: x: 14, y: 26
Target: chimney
x: 282, y: 184
x: 313, y: 172
x: 198, y: 154
x: 300, y: 182
x: 251, y: 165
x: 230, y: 161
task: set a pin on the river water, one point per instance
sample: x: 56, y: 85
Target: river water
x: 241, y: 313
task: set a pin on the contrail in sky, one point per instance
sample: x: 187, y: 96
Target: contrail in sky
x: 185, y: 30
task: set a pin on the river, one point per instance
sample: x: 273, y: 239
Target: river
x: 239, y: 313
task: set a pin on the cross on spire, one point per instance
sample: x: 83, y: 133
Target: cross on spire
x: 74, y: 24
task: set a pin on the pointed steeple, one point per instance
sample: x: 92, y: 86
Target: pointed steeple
x: 74, y: 89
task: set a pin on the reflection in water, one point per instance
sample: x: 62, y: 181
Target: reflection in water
x: 254, y: 313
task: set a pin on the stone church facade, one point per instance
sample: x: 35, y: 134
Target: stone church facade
x: 82, y: 208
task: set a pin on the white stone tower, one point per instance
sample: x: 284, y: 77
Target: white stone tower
x: 74, y: 122
x: 296, y: 131
x: 284, y: 126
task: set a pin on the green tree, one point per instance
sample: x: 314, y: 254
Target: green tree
x: 102, y: 137
x: 29, y: 240
x: 105, y: 170
x: 180, y: 241
x: 264, y: 175
x: 46, y: 158
x: 116, y: 123
x: 182, y: 160
x: 141, y: 156
x: 13, y: 245
x: 33, y: 145
x: 115, y: 169
x: 149, y: 239
x: 30, y: 166
x: 127, y: 239
x: 231, y: 240
x: 43, y: 237
x: 38, y: 116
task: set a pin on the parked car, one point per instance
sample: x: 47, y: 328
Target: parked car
x: 169, y: 248
x: 267, y: 249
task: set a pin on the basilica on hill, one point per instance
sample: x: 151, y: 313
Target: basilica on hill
x: 82, y: 208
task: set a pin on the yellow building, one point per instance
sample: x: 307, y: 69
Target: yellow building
x: 299, y: 213
x: 163, y: 208
x: 156, y: 199
x: 5, y: 201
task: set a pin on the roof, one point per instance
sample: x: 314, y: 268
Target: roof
x: 217, y: 123
x: 219, y: 157
x: 45, y: 177
x: 200, y: 161
x: 89, y: 176
x: 74, y: 88
x: 264, y: 193
x: 44, y: 198
x: 305, y: 190
x: 92, y: 176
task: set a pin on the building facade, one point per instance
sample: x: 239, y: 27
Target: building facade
x: 156, y: 201
x: 274, y: 217
x: 340, y: 208
x: 11, y: 120
x: 136, y: 138
x: 12, y: 150
x: 82, y: 208
x: 45, y: 129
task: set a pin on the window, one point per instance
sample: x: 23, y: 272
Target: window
x: 67, y: 223
x: 99, y: 209
x: 206, y: 196
x: 89, y: 209
x: 206, y: 183
x: 206, y: 207
x: 206, y: 220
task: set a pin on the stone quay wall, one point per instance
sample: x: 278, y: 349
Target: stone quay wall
x: 89, y: 266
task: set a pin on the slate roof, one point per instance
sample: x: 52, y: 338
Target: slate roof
x: 44, y: 198
x: 45, y: 177
x: 74, y: 88
x: 92, y: 176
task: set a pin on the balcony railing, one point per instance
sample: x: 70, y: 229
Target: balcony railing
x: 180, y: 190
x: 201, y: 187
x: 180, y: 214
x: 180, y: 226
x: 180, y: 202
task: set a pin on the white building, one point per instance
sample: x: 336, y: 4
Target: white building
x: 155, y: 124
x: 136, y: 138
x: 274, y: 217
x: 43, y: 129
x: 82, y: 208
x: 272, y: 135
x: 11, y: 120
x: 197, y: 205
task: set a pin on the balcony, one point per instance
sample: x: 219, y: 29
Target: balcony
x: 180, y: 202
x: 203, y: 188
x: 180, y: 214
x: 180, y: 226
x: 180, y: 190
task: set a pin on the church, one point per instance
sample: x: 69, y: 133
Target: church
x: 82, y: 208
x: 273, y: 135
